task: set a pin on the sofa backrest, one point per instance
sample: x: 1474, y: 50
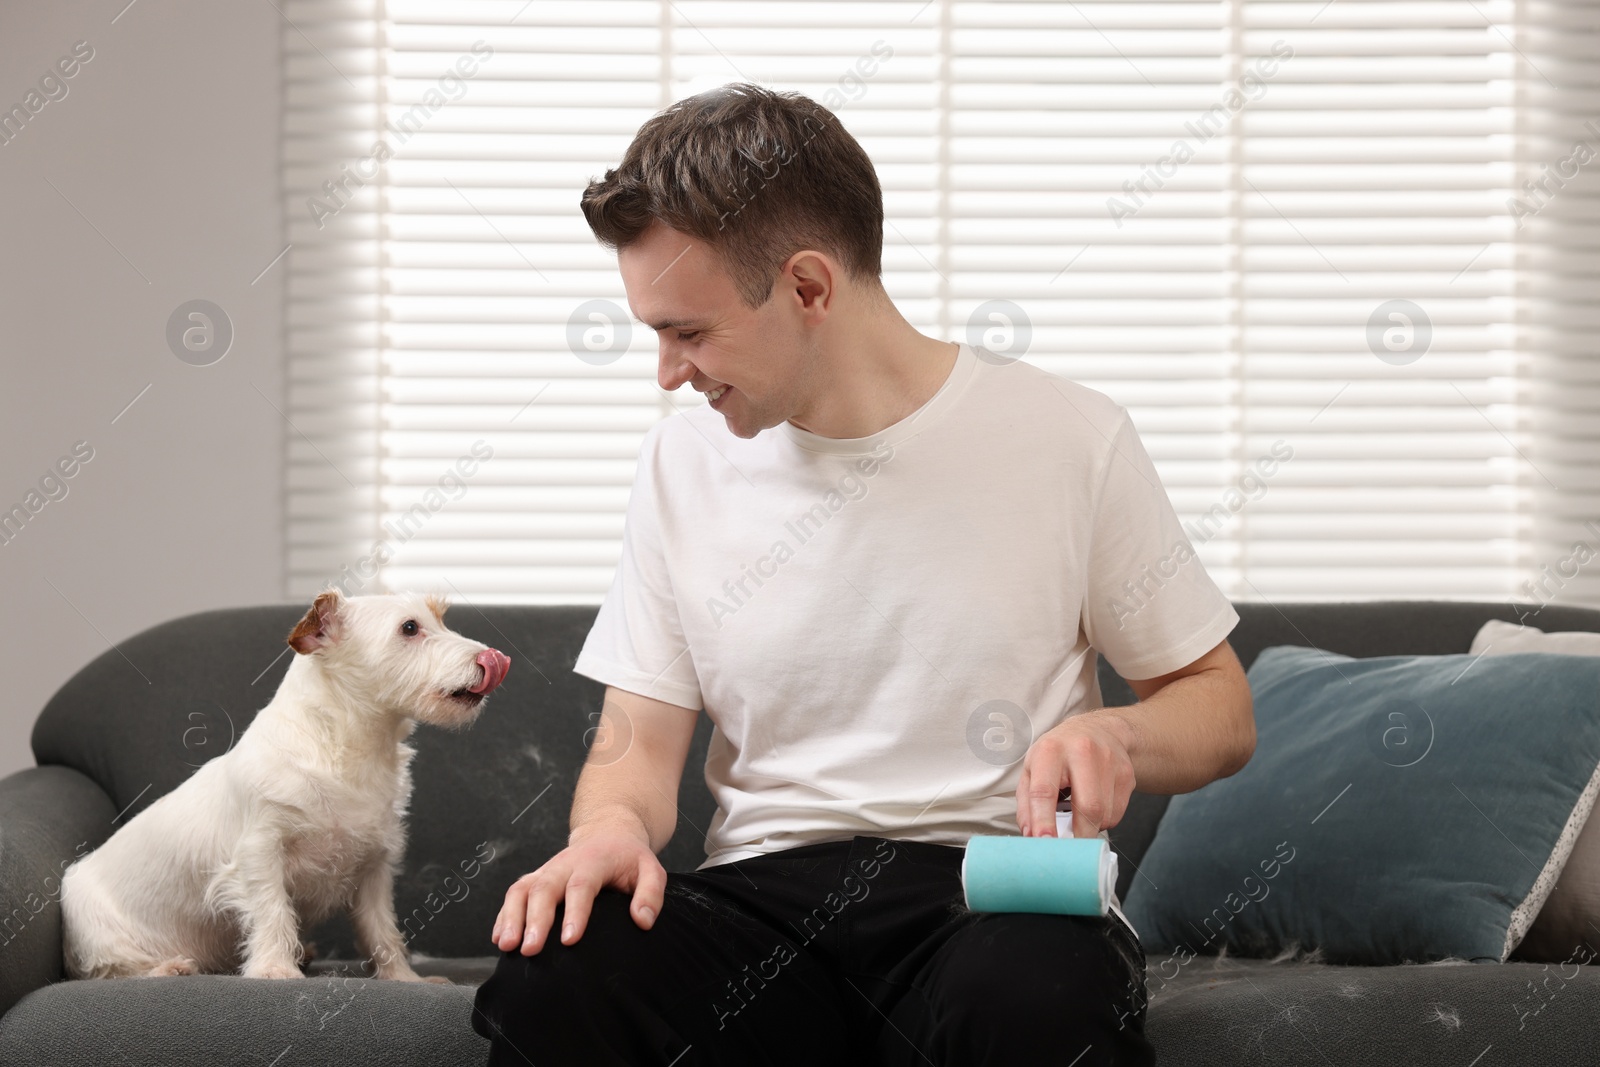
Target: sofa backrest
x: 491, y: 803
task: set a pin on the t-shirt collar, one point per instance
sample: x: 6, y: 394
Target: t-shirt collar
x: 914, y: 423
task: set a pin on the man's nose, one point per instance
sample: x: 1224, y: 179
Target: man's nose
x: 672, y: 369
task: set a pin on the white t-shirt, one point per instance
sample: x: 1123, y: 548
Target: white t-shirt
x: 879, y: 627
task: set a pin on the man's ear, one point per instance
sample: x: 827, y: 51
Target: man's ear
x: 320, y: 626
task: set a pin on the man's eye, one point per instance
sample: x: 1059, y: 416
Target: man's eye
x: 409, y: 627
x: 688, y: 336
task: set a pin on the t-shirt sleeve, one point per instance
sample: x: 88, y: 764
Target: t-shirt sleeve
x: 1150, y: 607
x: 637, y: 642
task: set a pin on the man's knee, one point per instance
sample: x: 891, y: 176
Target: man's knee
x: 561, y: 974
x: 621, y: 994
x: 579, y: 1003
x: 1028, y: 981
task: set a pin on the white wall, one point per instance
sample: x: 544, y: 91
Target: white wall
x: 166, y: 146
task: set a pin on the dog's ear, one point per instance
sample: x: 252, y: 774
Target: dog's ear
x: 438, y: 605
x: 320, y: 626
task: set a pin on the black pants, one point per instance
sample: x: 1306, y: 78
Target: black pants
x: 846, y: 952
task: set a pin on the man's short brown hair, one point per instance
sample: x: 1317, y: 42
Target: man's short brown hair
x: 755, y: 173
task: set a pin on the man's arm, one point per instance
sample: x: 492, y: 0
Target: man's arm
x: 1190, y: 727
x: 623, y: 812
x: 633, y: 768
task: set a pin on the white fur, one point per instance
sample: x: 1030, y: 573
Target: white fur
x: 302, y: 817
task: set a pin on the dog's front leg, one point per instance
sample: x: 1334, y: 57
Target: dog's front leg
x: 377, y: 933
x: 270, y: 926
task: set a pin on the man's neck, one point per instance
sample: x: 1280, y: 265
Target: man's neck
x: 876, y: 383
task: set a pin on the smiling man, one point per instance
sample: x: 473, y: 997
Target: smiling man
x: 884, y: 565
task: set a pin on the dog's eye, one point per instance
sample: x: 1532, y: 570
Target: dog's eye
x: 409, y: 627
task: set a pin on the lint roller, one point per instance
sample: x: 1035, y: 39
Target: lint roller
x: 1060, y: 875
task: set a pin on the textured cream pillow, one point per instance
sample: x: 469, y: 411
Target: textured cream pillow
x: 1501, y: 637
x: 1571, y: 914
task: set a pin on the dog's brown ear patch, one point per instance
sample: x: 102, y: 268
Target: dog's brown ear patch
x: 438, y: 605
x: 317, y: 627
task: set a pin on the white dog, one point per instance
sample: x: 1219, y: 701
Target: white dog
x: 302, y: 817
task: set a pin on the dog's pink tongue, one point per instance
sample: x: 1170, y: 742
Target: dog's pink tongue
x: 495, y: 664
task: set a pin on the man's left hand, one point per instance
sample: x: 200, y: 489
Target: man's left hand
x: 1089, y: 752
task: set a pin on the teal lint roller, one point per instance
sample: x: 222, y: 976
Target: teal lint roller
x: 1060, y: 875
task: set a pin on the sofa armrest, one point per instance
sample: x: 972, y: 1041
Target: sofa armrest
x: 49, y: 817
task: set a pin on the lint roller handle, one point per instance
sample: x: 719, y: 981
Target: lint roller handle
x: 1064, y: 812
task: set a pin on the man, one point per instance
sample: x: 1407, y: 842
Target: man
x: 883, y: 564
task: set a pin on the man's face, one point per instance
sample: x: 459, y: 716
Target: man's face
x: 710, y: 339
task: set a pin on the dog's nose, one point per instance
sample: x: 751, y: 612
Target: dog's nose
x: 495, y: 664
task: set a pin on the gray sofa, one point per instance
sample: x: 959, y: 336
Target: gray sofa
x: 109, y: 743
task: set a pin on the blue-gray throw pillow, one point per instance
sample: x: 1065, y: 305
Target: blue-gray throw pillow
x: 1397, y: 809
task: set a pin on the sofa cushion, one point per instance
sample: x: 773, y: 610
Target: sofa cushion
x: 1389, y: 814
x: 1202, y: 1011
x: 210, y: 1019
x: 1570, y: 919
x: 1499, y: 638
x: 1354, y: 628
x: 1210, y: 1011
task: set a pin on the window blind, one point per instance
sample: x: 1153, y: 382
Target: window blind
x: 1319, y: 250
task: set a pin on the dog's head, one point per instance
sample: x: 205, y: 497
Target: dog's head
x: 395, y: 652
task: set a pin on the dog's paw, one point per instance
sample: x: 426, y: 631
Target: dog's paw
x: 437, y: 979
x: 272, y: 970
x: 401, y: 976
x: 175, y: 966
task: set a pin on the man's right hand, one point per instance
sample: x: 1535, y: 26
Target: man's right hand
x: 599, y: 854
